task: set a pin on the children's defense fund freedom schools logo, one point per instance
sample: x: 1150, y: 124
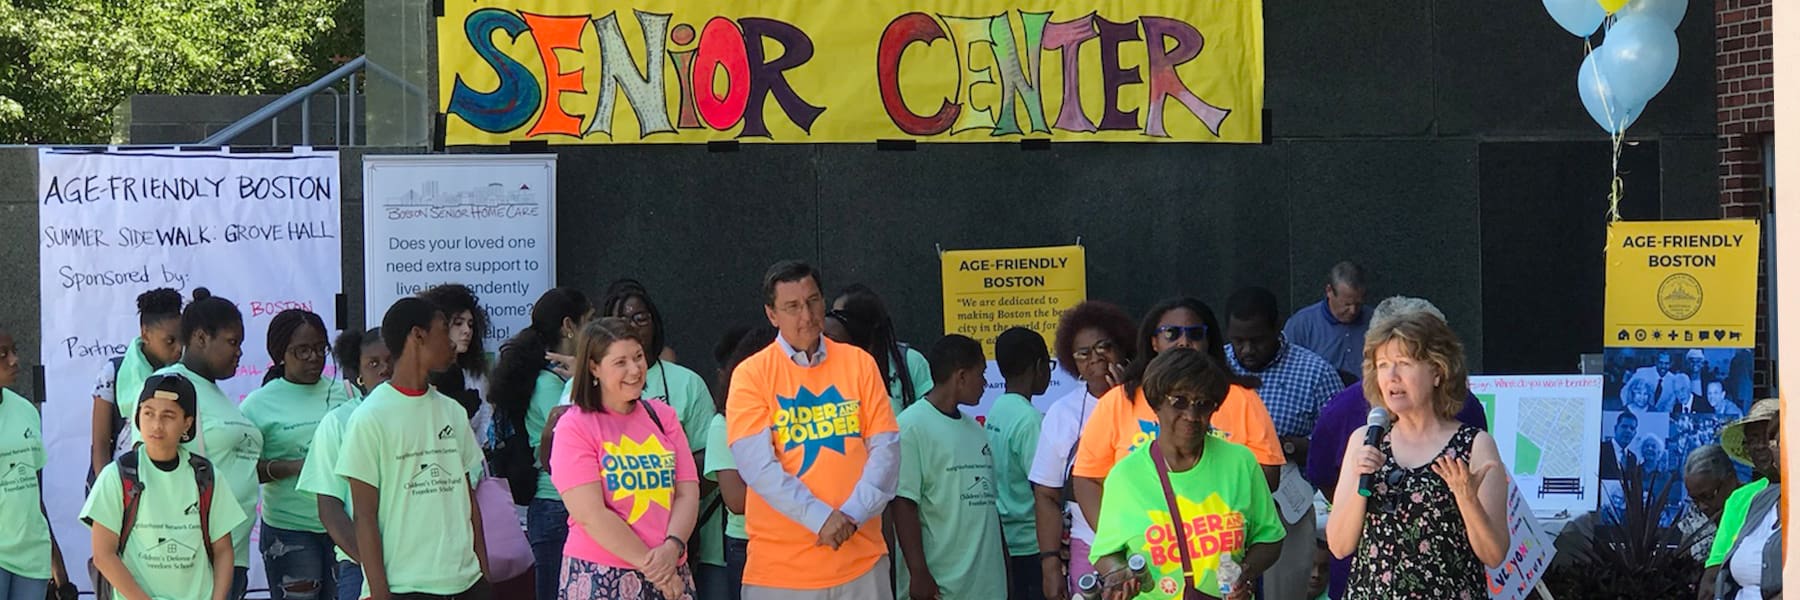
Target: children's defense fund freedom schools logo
x: 431, y: 478
x: 1679, y: 296
x: 169, y: 554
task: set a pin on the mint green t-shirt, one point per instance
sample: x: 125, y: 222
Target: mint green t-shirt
x: 1224, y: 501
x: 1012, y: 429
x: 545, y: 393
x: 24, y: 534
x: 683, y: 390
x: 720, y: 460
x: 920, y: 370
x: 166, y: 553
x: 319, y: 477
x: 945, y: 467
x: 287, y: 413
x: 233, y: 444
x: 417, y: 451
x: 1737, y: 508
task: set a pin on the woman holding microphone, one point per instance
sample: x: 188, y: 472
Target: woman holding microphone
x: 1434, y: 517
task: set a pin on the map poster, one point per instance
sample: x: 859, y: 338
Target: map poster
x: 1547, y: 428
x: 987, y: 292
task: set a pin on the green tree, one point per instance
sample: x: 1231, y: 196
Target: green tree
x: 66, y: 65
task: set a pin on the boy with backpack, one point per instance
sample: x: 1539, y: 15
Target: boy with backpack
x: 160, y: 527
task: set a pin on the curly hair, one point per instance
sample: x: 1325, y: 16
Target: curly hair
x: 453, y: 298
x: 1107, y: 317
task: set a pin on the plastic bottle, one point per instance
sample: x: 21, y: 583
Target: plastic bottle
x: 1228, y: 574
x: 1088, y: 587
x: 1140, y: 568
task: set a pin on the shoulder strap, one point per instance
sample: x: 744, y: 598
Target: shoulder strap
x: 651, y: 410
x: 132, y: 489
x: 1181, y: 539
x: 203, y: 479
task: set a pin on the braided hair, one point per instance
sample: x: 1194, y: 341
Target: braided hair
x: 281, y: 333
x: 866, y: 318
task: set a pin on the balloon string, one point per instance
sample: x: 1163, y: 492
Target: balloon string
x: 1616, y: 188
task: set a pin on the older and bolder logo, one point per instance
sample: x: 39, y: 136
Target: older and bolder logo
x: 1213, y: 529
x: 641, y: 470
x: 815, y: 422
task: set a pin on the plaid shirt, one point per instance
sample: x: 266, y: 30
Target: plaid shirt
x: 1294, y: 387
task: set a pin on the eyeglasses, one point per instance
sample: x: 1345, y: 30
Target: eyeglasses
x: 1171, y: 333
x: 1100, y: 347
x: 309, y: 352
x: 1183, y: 403
x: 638, y: 319
x: 795, y: 308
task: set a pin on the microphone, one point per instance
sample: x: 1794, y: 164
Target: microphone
x: 1378, y: 424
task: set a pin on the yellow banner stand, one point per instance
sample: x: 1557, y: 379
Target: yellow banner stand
x: 1688, y: 284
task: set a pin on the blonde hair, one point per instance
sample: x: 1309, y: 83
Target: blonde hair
x: 1422, y: 332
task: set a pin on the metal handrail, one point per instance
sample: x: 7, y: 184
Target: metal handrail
x: 285, y: 102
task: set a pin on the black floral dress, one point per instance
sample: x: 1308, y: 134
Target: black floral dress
x: 1414, y: 544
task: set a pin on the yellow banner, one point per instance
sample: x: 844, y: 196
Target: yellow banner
x: 803, y: 71
x: 990, y: 291
x: 1681, y: 284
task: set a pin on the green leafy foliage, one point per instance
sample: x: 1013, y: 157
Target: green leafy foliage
x: 66, y: 65
x: 1636, y: 558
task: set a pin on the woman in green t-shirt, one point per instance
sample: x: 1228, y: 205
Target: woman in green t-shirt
x: 524, y: 389
x: 1195, y: 507
x: 115, y: 391
x: 294, y: 397
x: 30, y: 561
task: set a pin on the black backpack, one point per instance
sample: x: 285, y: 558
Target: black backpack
x: 131, y: 487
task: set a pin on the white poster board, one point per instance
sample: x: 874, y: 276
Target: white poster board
x: 258, y: 229
x: 485, y: 221
x: 1548, y: 429
x: 1528, y: 555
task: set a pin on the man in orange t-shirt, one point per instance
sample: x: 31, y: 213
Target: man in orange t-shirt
x: 814, y: 437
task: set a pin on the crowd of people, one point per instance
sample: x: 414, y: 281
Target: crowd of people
x: 825, y: 459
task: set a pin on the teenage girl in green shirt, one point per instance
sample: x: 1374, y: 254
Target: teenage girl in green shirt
x: 294, y: 397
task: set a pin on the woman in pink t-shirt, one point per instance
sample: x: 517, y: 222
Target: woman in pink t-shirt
x: 625, y: 472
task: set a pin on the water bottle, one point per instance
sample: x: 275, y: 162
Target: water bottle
x: 1088, y: 587
x: 1140, y: 568
x: 1228, y: 574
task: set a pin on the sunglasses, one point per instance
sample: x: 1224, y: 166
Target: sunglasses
x: 1171, y: 333
x: 1182, y: 403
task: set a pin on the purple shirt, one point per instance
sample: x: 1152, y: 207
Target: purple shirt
x: 1339, y: 419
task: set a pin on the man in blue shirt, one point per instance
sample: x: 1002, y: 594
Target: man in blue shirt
x: 1295, y: 386
x: 1334, y: 327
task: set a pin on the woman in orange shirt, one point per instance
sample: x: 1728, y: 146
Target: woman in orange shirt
x: 1123, y: 420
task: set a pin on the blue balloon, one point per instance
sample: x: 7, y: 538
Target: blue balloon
x: 1638, y: 58
x: 1600, y: 100
x: 1667, y: 12
x: 1580, y: 17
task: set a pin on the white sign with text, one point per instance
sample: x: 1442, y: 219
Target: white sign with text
x: 485, y: 221
x: 258, y: 229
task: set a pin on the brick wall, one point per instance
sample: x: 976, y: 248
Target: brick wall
x: 1746, y: 78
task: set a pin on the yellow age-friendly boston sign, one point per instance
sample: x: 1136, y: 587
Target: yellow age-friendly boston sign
x: 803, y: 71
x: 989, y: 291
x: 1681, y: 284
